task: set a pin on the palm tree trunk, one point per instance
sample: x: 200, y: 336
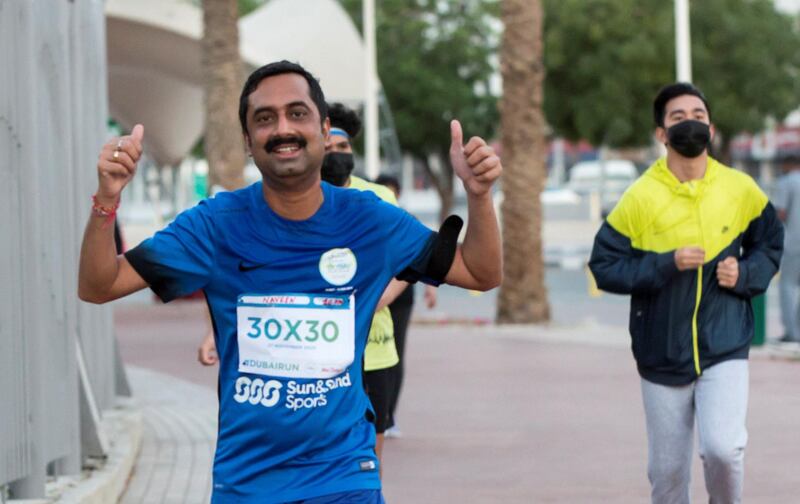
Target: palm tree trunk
x: 442, y: 181
x: 223, y: 70
x: 523, y: 295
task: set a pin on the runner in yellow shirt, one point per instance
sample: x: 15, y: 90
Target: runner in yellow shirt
x: 380, y: 355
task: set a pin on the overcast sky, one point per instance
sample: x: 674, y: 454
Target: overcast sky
x: 792, y: 6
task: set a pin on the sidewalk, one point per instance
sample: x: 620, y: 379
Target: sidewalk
x: 488, y: 414
x: 180, y: 427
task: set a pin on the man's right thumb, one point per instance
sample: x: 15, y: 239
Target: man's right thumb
x: 138, y: 134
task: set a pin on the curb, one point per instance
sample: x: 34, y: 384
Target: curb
x: 780, y: 351
x: 567, y: 257
x: 584, y: 332
x: 123, y: 426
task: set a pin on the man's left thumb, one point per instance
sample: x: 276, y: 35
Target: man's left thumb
x: 456, y: 135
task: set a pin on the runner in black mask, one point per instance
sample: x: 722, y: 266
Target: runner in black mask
x: 692, y: 241
x: 380, y: 357
x: 338, y: 163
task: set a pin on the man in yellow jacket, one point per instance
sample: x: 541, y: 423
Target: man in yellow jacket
x: 692, y: 241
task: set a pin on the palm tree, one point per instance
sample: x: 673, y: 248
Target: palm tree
x: 523, y: 295
x: 223, y: 70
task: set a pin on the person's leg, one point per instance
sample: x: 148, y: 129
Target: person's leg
x: 401, y: 316
x: 788, y: 290
x: 721, y: 403
x: 377, y: 384
x: 379, y: 452
x: 669, y: 412
x: 794, y: 273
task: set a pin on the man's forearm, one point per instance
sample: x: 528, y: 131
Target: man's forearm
x: 99, y: 278
x: 478, y: 263
x: 98, y: 262
x: 392, y: 291
x: 482, y: 249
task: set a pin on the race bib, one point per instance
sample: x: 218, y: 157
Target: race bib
x: 295, y: 335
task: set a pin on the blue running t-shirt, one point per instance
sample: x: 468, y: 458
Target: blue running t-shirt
x: 291, y: 303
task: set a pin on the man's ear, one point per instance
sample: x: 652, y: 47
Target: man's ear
x: 248, y: 145
x: 326, y: 128
x: 661, y: 135
x: 713, y: 132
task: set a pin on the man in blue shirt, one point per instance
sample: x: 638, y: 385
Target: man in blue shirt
x: 292, y: 272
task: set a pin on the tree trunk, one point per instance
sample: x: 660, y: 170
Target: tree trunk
x: 523, y: 295
x: 724, y: 154
x: 223, y: 71
x: 442, y: 181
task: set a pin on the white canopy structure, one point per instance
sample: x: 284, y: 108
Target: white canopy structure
x: 155, y: 61
x: 318, y: 34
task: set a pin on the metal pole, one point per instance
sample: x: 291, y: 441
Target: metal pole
x: 558, y: 162
x: 603, y: 179
x: 371, y: 127
x: 683, y: 43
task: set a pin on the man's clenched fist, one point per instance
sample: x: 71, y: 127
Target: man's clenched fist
x: 728, y: 272
x: 689, y: 258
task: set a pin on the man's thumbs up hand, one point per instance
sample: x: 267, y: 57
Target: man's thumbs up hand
x: 475, y: 163
x: 116, y: 165
x: 137, y: 135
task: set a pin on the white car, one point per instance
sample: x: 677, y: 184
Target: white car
x: 609, y: 179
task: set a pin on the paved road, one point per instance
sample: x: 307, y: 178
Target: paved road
x: 521, y: 415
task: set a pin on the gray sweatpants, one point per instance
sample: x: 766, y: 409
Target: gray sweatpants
x: 717, y: 401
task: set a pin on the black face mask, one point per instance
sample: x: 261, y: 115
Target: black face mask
x: 690, y: 138
x: 336, y: 168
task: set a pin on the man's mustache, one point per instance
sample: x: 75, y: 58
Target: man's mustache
x: 275, y: 142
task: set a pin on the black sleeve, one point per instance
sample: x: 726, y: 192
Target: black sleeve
x: 434, y: 262
x: 619, y: 268
x: 762, y: 248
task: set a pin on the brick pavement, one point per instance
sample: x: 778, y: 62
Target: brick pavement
x: 180, y: 425
x: 512, y: 415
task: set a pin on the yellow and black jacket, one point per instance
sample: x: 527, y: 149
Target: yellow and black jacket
x: 682, y: 322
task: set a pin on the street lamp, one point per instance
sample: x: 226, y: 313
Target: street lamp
x: 683, y: 43
x: 371, y: 128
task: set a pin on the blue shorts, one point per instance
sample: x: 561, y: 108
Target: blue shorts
x: 353, y: 497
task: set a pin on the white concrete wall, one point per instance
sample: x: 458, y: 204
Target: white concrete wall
x: 52, y: 122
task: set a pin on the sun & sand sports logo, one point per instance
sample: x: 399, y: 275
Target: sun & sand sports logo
x: 256, y: 391
x: 313, y: 394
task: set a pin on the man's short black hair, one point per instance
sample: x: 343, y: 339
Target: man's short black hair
x: 344, y: 117
x: 279, y: 68
x: 388, y: 181
x: 671, y: 91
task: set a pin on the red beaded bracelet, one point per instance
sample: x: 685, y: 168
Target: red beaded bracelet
x: 108, y: 212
